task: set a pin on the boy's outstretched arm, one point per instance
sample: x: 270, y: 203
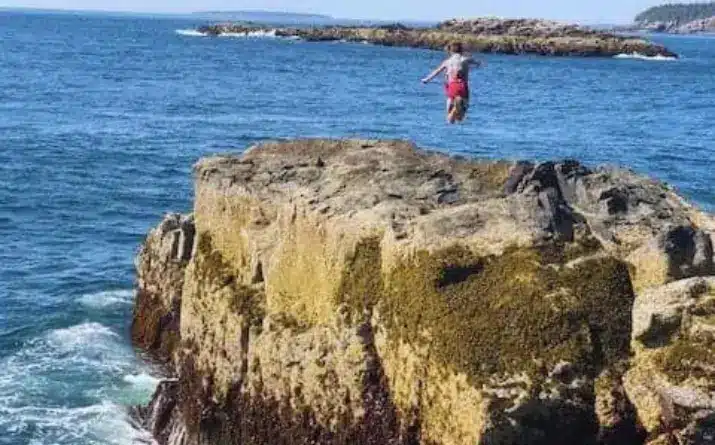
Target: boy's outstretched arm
x: 434, y: 73
x: 476, y: 62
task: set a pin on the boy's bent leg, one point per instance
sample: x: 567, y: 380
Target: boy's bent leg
x: 464, y: 107
x: 460, y: 108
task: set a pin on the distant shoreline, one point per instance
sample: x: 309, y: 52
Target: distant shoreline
x: 306, y: 19
x: 678, y: 18
x: 281, y: 14
x: 95, y: 12
x: 664, y: 32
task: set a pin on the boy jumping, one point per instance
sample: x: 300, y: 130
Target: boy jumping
x: 456, y: 68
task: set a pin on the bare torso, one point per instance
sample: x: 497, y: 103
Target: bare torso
x: 457, y: 67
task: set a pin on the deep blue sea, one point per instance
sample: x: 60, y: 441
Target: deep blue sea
x: 102, y: 117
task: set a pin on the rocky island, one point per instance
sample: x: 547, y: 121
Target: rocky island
x: 485, y: 35
x: 369, y: 292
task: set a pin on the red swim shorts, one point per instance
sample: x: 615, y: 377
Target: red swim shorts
x: 457, y: 88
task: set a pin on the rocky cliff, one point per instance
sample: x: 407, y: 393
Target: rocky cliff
x: 367, y: 292
x: 485, y: 35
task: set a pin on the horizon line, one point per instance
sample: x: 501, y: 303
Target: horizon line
x: 277, y: 11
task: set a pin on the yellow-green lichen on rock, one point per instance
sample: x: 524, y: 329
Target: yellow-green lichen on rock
x: 217, y: 314
x: 511, y: 313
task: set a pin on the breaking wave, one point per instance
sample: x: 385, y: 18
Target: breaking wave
x: 72, y: 385
x: 639, y: 56
x: 259, y: 34
x: 190, y: 33
x: 252, y: 34
x: 107, y: 299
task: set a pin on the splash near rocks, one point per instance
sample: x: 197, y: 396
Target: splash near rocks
x: 638, y: 56
x: 190, y: 33
x: 43, y: 370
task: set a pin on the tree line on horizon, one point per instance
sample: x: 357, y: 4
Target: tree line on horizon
x: 677, y: 12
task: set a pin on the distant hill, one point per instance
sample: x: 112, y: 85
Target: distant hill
x: 265, y: 16
x: 294, y: 19
x: 676, y: 13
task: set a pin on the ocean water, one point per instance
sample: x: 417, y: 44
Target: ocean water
x: 102, y: 117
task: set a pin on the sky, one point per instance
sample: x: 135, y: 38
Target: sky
x: 602, y: 11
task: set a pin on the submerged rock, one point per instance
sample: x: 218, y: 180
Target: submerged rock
x: 367, y: 292
x: 484, y: 35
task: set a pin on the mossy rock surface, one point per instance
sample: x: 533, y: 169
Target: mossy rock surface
x: 361, y: 284
x: 212, y: 270
x: 502, y: 315
x: 687, y: 359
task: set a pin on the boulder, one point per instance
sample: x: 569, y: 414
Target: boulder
x: 343, y: 292
x: 671, y: 378
x: 677, y: 252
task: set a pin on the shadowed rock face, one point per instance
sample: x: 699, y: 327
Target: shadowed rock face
x: 485, y: 35
x: 160, y: 277
x: 367, y: 292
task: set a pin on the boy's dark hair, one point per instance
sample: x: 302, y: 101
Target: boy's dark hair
x: 455, y: 47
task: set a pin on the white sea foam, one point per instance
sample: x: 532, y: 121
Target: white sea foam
x: 76, y: 364
x: 190, y: 33
x: 251, y: 34
x: 638, y: 56
x: 135, y: 389
x: 259, y: 34
x: 105, y: 423
x: 87, y: 349
x: 86, y: 338
x: 105, y: 299
x: 112, y: 424
x: 142, y: 380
